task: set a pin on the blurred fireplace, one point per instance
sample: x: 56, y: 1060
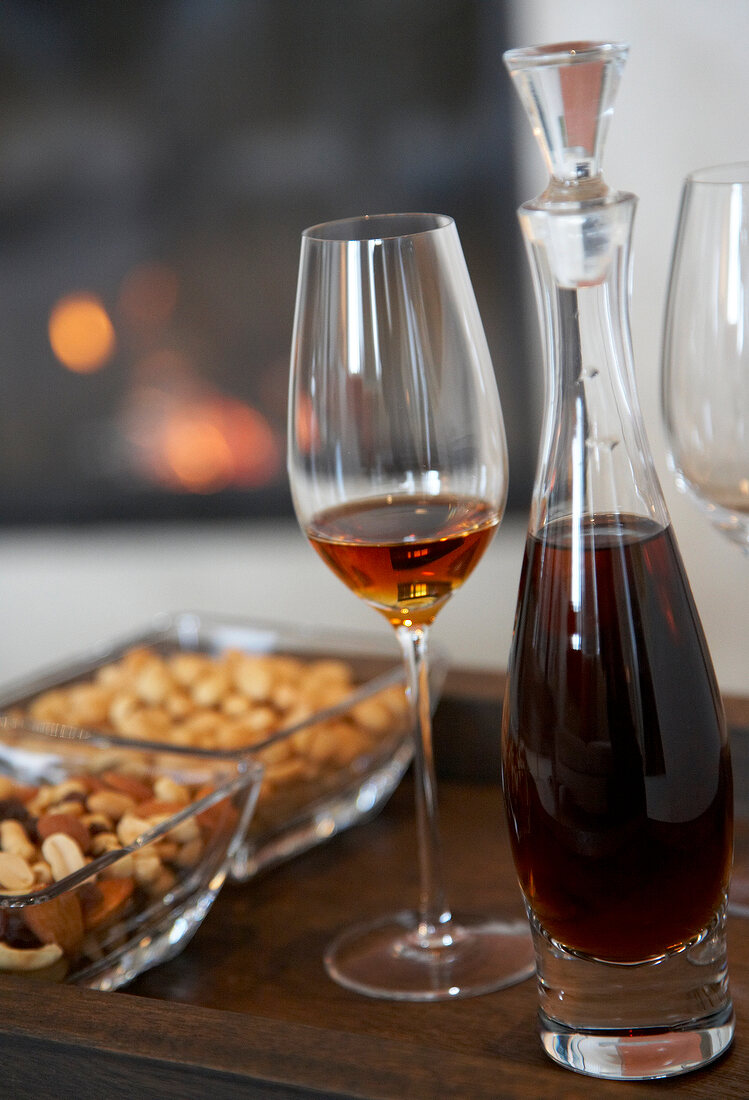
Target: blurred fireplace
x: 158, y: 161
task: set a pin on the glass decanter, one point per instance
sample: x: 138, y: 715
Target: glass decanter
x: 615, y: 758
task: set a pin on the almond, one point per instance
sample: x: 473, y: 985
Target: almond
x: 58, y: 920
x: 64, y: 823
x: 104, y: 904
x: 127, y: 784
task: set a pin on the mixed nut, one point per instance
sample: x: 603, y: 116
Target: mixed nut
x: 51, y: 830
x: 236, y: 700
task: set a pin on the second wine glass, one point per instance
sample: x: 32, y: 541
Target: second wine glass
x: 705, y: 380
x: 398, y: 470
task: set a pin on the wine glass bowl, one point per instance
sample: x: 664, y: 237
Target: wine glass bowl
x: 398, y: 470
x: 706, y: 348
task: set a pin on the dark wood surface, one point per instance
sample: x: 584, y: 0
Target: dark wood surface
x: 248, y: 1011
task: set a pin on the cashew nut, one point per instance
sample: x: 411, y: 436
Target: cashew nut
x: 28, y: 958
x: 15, y: 873
x: 14, y: 839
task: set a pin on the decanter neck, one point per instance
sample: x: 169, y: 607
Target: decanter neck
x: 594, y: 455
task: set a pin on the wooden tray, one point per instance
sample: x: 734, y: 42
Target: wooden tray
x: 248, y: 1011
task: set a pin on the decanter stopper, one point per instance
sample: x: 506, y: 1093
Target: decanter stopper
x: 568, y: 90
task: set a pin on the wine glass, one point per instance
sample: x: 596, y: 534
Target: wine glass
x: 398, y: 470
x: 705, y: 376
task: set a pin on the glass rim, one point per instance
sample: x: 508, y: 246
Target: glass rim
x: 573, y: 53
x: 734, y: 174
x: 377, y: 227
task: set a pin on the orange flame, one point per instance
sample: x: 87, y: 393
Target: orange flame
x: 81, y: 333
x: 197, y: 452
x: 201, y: 445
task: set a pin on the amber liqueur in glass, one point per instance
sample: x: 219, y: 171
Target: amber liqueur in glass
x: 616, y: 768
x: 405, y: 554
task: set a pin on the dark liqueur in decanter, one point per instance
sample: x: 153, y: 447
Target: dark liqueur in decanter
x: 616, y: 764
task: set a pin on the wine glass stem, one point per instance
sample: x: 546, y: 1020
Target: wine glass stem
x: 434, y: 914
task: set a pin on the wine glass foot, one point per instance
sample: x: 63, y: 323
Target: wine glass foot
x: 391, y: 959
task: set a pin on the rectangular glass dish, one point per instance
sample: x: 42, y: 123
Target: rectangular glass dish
x: 324, y: 712
x: 111, y: 854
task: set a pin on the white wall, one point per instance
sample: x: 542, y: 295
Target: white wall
x: 63, y: 592
x: 682, y: 104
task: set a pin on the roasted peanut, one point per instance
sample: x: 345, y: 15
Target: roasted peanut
x: 63, y: 854
x: 253, y: 679
x: 187, y: 667
x: 146, y: 866
x: 153, y: 682
x: 130, y: 827
x: 162, y: 884
x: 166, y: 849
x: 122, y: 706
x: 112, y: 804
x: 185, y: 831
x: 284, y: 696
x: 96, y: 823
x: 189, y: 854
x: 73, y: 807
x: 235, y: 704
x: 330, y: 672
x: 287, y: 772
x: 42, y: 872
x: 14, y: 839
x: 179, y: 704
x: 123, y: 867
x: 69, y: 788
x: 89, y: 704
x: 146, y: 724
x: 51, y: 796
x: 16, y: 875
x: 169, y: 790
x: 103, y: 842
x: 373, y: 715
x: 210, y: 688
x: 51, y: 707
x: 276, y: 753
